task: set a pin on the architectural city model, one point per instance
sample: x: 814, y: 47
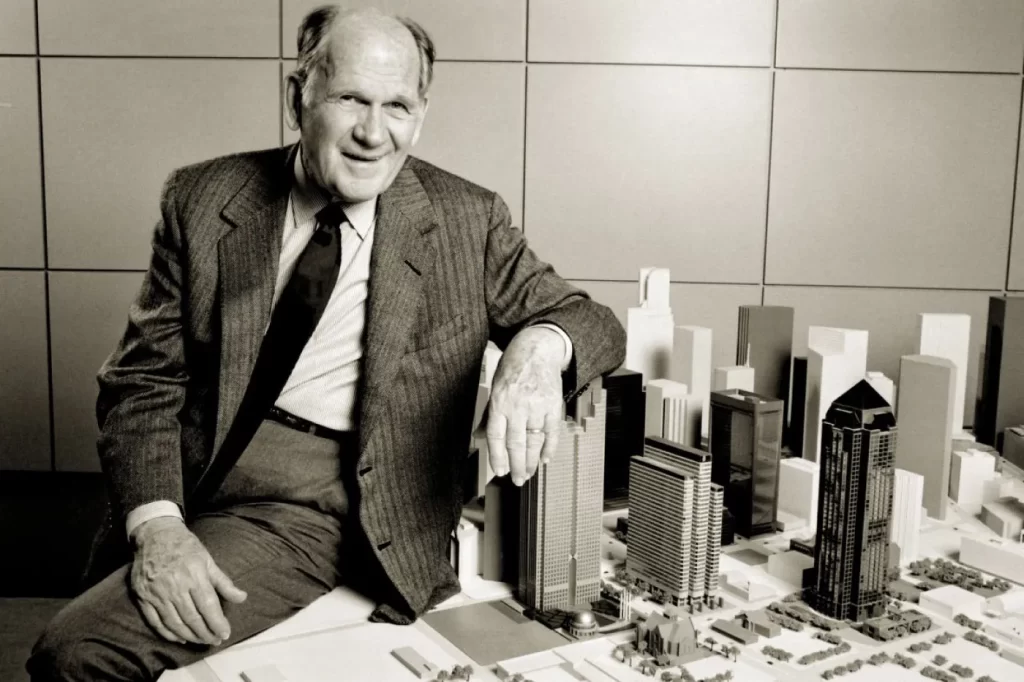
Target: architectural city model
x: 887, y: 548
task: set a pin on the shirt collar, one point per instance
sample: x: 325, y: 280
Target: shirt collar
x: 308, y: 199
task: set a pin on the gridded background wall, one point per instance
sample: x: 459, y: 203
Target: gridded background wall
x: 856, y: 159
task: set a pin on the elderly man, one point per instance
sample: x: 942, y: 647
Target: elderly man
x: 290, y: 405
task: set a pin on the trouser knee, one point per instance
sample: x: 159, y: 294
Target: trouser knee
x: 64, y: 653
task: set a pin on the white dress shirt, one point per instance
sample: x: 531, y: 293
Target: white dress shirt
x: 322, y: 386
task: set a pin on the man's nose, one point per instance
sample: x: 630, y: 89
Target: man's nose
x: 370, y: 130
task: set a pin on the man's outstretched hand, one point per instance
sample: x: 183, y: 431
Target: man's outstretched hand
x: 178, y: 586
x: 525, y: 410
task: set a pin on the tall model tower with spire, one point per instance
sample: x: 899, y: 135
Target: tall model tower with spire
x: 560, y: 514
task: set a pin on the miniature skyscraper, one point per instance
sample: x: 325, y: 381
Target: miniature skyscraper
x: 1001, y: 400
x: 765, y: 342
x: 675, y: 517
x: 797, y: 407
x: 624, y: 430
x: 691, y: 365
x: 851, y: 551
x: 836, y: 360
x: 560, y: 516
x: 926, y: 397
x: 908, y: 491
x: 737, y: 376
x: 798, y: 490
x: 746, y: 441
x: 669, y: 412
x: 649, y: 327
x: 948, y: 336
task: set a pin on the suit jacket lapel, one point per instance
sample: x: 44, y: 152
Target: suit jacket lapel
x: 248, y: 258
x: 403, y: 254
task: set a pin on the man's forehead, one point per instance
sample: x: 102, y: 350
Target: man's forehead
x: 373, y: 40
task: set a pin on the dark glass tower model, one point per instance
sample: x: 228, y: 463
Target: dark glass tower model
x: 746, y: 442
x: 624, y: 432
x: 765, y: 342
x: 797, y: 404
x: 1001, y: 402
x: 851, y: 551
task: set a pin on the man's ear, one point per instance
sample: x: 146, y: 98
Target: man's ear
x: 419, y: 124
x: 293, y: 102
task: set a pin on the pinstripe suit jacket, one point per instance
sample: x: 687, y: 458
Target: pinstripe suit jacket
x: 447, y: 273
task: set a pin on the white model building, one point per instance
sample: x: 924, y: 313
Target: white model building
x: 948, y: 336
x: 907, y: 493
x: 737, y: 376
x: 691, y: 365
x: 1005, y: 604
x: 789, y: 566
x: 670, y: 412
x: 798, y: 490
x: 465, y: 551
x: 926, y: 396
x: 746, y: 589
x: 1005, y: 516
x: 649, y: 327
x: 973, y: 480
x: 884, y: 385
x: 675, y: 521
x: 949, y: 600
x: 836, y: 360
x: 1002, y: 558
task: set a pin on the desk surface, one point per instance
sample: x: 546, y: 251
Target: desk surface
x: 332, y: 640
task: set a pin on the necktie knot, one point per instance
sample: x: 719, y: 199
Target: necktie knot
x: 331, y: 215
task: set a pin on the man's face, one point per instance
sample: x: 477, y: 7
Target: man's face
x: 363, y: 113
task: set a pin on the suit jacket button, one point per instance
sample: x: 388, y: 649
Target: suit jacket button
x: 384, y: 545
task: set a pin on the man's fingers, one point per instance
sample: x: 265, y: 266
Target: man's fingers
x: 515, y: 442
x: 552, y: 426
x: 498, y: 454
x: 171, y: 619
x: 224, y: 586
x: 153, y: 618
x: 190, y: 616
x: 207, y: 603
x: 534, y: 443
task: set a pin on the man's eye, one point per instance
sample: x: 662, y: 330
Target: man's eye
x: 399, y: 106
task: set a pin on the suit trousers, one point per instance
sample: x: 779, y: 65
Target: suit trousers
x: 283, y: 553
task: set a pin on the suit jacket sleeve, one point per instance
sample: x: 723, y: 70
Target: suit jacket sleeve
x: 523, y: 290
x: 142, y: 383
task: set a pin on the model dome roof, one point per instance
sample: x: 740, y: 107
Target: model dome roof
x: 583, y: 620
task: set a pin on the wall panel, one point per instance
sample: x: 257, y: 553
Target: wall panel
x: 24, y: 383
x: 17, y: 27
x: 88, y: 313
x: 890, y: 316
x: 668, y: 168
x: 1015, y: 275
x: 706, y: 305
x: 487, y: 30
x: 713, y: 32
x: 181, y: 111
x: 891, y: 179
x: 21, y: 199
x: 931, y: 35
x: 183, y: 28
x: 474, y: 126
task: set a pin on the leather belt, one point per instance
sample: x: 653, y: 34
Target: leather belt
x: 304, y: 425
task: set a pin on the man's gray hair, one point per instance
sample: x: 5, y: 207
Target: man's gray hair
x: 312, y: 46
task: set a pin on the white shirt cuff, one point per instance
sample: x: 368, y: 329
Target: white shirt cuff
x: 567, y: 358
x: 150, y: 510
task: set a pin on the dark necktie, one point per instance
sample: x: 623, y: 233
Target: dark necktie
x: 299, y: 308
